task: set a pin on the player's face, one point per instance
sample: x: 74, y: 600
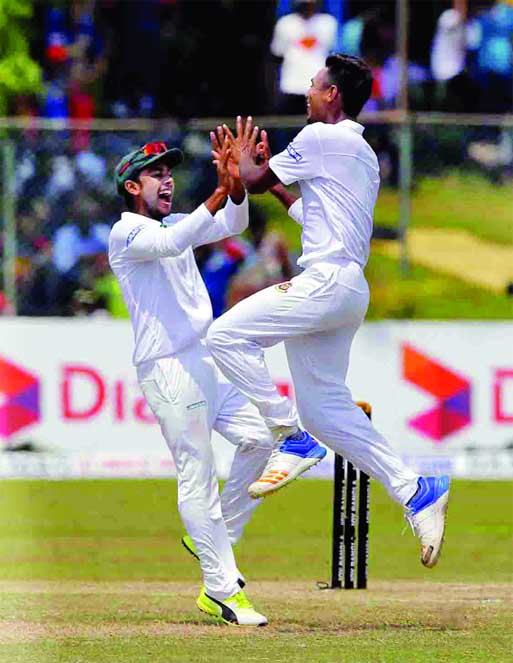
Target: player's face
x: 317, y: 97
x: 157, y: 188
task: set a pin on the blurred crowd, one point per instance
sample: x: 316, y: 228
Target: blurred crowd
x: 155, y: 58
x: 67, y: 205
x: 64, y: 214
x: 467, y: 65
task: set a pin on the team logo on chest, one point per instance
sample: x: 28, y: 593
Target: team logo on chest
x: 283, y: 287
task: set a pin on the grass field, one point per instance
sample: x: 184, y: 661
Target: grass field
x: 93, y: 571
x: 424, y: 294
x: 455, y: 201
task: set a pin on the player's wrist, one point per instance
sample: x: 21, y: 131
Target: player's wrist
x: 222, y: 190
x: 216, y: 200
x: 237, y: 192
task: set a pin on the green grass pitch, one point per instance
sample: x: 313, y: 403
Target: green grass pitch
x: 93, y: 571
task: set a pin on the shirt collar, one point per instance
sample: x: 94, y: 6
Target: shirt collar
x: 132, y: 216
x: 354, y: 126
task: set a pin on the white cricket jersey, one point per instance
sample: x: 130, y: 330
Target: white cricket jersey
x: 154, y: 263
x: 338, y: 174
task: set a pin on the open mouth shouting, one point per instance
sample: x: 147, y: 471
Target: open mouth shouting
x: 165, y: 197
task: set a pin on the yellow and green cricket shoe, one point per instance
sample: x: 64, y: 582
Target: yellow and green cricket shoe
x: 236, y: 609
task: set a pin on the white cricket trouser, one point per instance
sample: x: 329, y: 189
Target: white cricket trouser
x: 189, y: 396
x: 317, y: 318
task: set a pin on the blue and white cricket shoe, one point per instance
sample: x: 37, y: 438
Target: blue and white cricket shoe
x: 426, y: 513
x: 295, y: 455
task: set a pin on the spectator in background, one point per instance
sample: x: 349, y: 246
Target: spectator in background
x: 301, y: 40
x: 31, y: 225
x: 42, y: 289
x: 388, y: 79
x: 448, y: 50
x: 55, y: 102
x: 267, y: 261
x: 378, y: 39
x: 74, y: 63
x: 350, y: 39
x: 62, y: 177
x: 87, y: 64
x: 491, y: 41
x: 26, y: 106
x: 371, y: 36
x: 83, y: 236
x: 448, y: 60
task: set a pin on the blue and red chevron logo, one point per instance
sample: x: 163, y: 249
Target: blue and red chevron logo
x: 452, y: 392
x: 19, y: 398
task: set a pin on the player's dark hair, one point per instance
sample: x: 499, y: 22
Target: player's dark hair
x: 353, y: 78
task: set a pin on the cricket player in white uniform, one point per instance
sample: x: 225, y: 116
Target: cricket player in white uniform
x: 151, y: 254
x: 319, y: 311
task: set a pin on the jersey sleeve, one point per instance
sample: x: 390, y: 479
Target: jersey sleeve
x: 231, y: 220
x: 150, y: 241
x: 301, y: 160
x: 295, y: 211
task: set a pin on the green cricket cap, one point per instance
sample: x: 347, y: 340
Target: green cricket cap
x: 133, y: 163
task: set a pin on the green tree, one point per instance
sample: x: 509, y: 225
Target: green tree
x: 19, y: 73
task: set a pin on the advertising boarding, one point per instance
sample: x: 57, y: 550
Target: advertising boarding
x: 70, y: 406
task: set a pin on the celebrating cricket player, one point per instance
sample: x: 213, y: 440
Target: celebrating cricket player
x: 151, y: 254
x: 318, y: 313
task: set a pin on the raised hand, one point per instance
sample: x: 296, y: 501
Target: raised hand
x: 227, y: 169
x: 221, y: 142
x: 221, y: 155
x: 252, y: 159
x: 262, y: 149
x: 243, y: 145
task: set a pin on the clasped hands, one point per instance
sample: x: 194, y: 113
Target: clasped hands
x: 232, y: 154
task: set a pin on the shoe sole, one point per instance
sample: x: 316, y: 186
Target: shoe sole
x: 430, y: 557
x: 214, y: 615
x: 304, y: 466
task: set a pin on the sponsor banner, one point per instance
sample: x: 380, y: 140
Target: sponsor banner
x: 442, y: 394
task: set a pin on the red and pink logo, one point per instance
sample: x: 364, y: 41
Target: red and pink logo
x: 452, y: 392
x: 19, y: 398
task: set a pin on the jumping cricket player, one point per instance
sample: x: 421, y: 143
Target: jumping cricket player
x: 318, y: 313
